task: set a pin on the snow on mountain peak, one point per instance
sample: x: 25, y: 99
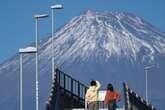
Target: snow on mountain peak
x: 111, y: 33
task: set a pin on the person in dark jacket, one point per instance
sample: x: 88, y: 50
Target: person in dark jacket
x: 111, y: 98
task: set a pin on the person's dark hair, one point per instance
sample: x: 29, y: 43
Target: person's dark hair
x: 110, y: 87
x: 93, y: 83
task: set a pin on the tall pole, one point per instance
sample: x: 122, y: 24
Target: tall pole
x: 21, y: 84
x: 37, y: 89
x: 21, y: 52
x: 146, y: 84
x: 146, y: 79
x: 54, y: 7
x: 37, y: 17
x: 53, y: 45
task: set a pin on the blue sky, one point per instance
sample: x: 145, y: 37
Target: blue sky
x: 17, y: 23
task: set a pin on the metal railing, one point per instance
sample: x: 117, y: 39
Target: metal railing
x: 70, y: 84
x: 134, y: 102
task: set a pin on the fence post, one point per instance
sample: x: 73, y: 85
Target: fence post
x: 78, y: 89
x: 64, y: 82
x: 126, y: 97
x: 72, y: 85
x: 57, y: 76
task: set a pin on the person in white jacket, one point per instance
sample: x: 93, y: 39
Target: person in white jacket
x: 91, y: 96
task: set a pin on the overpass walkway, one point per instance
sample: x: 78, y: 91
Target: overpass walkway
x: 68, y: 93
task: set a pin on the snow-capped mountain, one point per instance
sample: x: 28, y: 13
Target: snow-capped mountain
x: 107, y: 46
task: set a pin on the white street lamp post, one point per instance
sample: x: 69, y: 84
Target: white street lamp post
x: 21, y: 84
x: 146, y: 79
x: 37, y: 17
x: 146, y: 84
x: 58, y: 6
x: 23, y: 51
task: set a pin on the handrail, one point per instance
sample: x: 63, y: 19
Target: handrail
x: 63, y: 81
x: 70, y: 84
x: 131, y: 97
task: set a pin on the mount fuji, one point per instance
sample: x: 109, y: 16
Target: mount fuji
x: 107, y: 46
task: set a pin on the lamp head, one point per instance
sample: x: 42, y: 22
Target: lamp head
x: 28, y: 50
x: 36, y: 16
x: 58, y: 6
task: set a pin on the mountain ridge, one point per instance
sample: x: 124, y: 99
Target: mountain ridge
x: 92, y: 46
